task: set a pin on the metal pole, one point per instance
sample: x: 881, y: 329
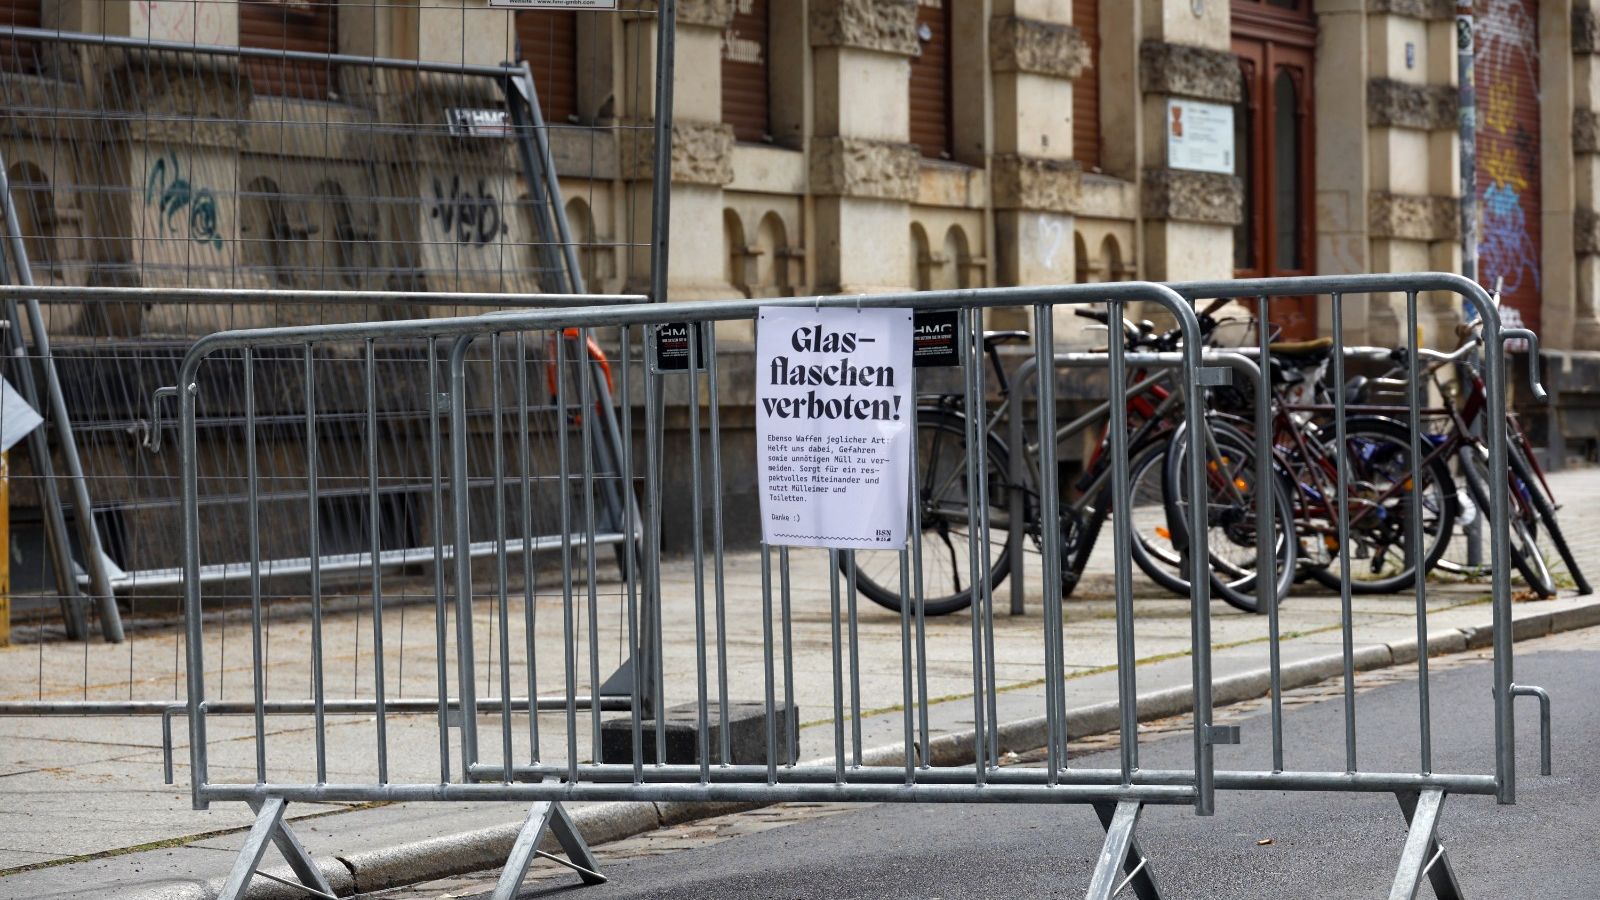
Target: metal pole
x: 661, y: 185
x: 88, y: 536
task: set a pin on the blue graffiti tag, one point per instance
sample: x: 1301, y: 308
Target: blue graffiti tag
x: 176, y: 195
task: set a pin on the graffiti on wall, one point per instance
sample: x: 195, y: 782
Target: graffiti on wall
x: 466, y: 213
x: 180, y: 20
x: 1507, y: 75
x: 182, y: 209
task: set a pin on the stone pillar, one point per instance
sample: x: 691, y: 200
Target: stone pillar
x: 702, y: 148
x: 1036, y: 183
x: 1586, y: 171
x: 863, y: 170
x: 1341, y: 154
x: 1189, y: 216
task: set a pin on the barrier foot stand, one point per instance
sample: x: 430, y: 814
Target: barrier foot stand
x: 1423, y: 854
x: 553, y: 816
x: 1122, y: 861
x: 270, y: 827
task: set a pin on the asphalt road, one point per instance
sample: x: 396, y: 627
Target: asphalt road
x: 1321, y: 845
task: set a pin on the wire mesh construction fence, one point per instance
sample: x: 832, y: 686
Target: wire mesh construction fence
x: 242, y: 148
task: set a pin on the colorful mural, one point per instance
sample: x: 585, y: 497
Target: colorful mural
x: 1507, y: 75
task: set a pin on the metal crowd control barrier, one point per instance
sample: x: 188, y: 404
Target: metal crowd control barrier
x: 549, y: 760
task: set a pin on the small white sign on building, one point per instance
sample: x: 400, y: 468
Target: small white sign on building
x: 552, y: 4
x: 1200, y: 136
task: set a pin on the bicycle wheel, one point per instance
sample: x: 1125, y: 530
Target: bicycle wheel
x: 1527, y: 556
x: 1379, y: 507
x: 1153, y: 550
x: 1233, y: 529
x: 943, y: 490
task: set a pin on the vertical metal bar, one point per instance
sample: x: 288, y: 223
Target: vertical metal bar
x: 652, y: 581
x: 906, y: 696
x: 661, y: 183
x: 1266, y: 549
x: 1419, y: 551
x: 1122, y: 532
x: 374, y: 537
x: 188, y: 463
x: 849, y: 557
x: 568, y: 613
x: 460, y: 485
x: 1342, y: 458
x: 792, y: 740
x: 440, y: 614
x: 94, y: 558
x: 1199, y: 566
x: 253, y: 535
x: 974, y: 441
x: 916, y: 597
x: 314, y: 554
x: 769, y: 681
x: 983, y: 586
x: 530, y: 598
x: 1050, y: 529
x: 497, y: 455
x: 838, y: 667
x: 697, y: 541
x: 1494, y: 378
x: 714, y: 414
x: 631, y: 557
x: 587, y: 402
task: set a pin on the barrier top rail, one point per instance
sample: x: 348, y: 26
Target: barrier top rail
x: 175, y: 295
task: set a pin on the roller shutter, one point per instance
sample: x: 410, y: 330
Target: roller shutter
x: 744, y: 72
x: 19, y: 56
x: 548, y: 39
x: 302, y: 25
x: 1086, y: 88
x: 930, y: 81
x: 1507, y: 75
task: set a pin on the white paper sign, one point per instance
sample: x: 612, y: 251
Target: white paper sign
x: 1200, y: 136
x: 17, y: 418
x: 833, y: 413
x: 552, y: 4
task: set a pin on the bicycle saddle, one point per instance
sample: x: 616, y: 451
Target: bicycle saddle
x: 995, y: 338
x: 1312, y: 349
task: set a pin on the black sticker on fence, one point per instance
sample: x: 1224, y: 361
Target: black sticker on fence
x: 934, y: 339
x: 672, y: 347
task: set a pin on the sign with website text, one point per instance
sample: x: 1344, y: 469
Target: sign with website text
x: 833, y: 426
x: 1200, y: 136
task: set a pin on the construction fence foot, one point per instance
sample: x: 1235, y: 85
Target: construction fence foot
x: 270, y: 827
x: 1122, y: 861
x: 1423, y: 854
x: 551, y: 815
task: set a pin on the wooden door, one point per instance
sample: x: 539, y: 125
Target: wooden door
x: 276, y: 25
x: 547, y: 40
x: 931, y: 110
x: 1273, y: 143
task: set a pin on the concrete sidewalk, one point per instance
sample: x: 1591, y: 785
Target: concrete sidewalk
x: 83, y: 812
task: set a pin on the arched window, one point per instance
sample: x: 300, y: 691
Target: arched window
x: 547, y: 39
x: 736, y: 254
x: 265, y: 237
x: 309, y: 26
x: 1111, y: 254
x: 932, y: 108
x: 921, y: 258
x: 773, y: 244
x: 35, y: 202
x: 1083, y: 266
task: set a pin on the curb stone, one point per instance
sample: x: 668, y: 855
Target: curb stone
x: 487, y: 848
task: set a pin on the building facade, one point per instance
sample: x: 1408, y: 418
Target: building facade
x: 827, y: 146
